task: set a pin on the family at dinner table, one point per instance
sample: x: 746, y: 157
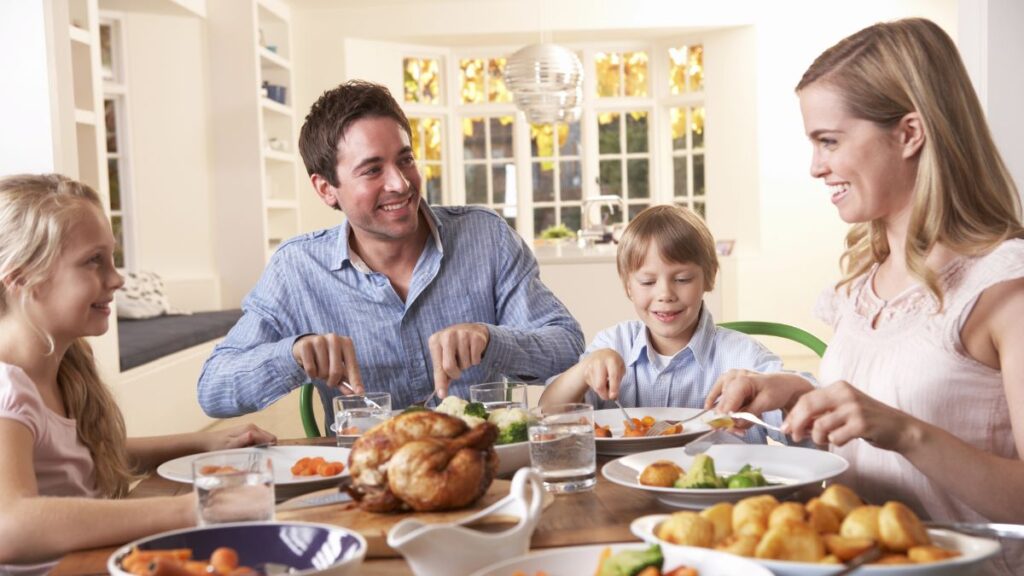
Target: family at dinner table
x: 919, y: 389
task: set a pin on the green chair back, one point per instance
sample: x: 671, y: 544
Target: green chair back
x: 306, y: 411
x: 780, y: 330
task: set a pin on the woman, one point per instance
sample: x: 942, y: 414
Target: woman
x: 927, y: 360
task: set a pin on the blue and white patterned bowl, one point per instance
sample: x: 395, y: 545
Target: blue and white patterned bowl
x: 306, y: 547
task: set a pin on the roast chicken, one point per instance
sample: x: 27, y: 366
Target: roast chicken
x: 424, y: 461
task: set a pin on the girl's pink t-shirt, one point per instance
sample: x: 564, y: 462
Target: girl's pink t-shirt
x: 63, y: 465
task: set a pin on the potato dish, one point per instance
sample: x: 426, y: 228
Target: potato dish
x: 831, y: 529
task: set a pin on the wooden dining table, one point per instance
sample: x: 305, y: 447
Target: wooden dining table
x: 599, y: 516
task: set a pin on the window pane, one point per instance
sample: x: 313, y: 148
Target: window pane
x: 543, y: 218
x: 696, y: 68
x: 698, y: 174
x: 511, y: 221
x: 110, y: 118
x: 432, y: 184
x: 115, y: 184
x: 430, y: 82
x: 636, y: 209
x: 571, y: 217
x: 118, y: 228
x: 417, y: 138
x: 411, y: 79
x: 570, y: 180
x: 636, y: 132
x: 473, y: 138
x: 569, y: 143
x: 496, y: 89
x: 542, y: 141
x: 432, y: 138
x: 608, y: 133
x: 636, y: 73
x: 677, y: 70
x: 697, y: 126
x: 611, y: 177
x: 608, y: 71
x: 503, y: 187
x: 106, y: 51
x: 639, y: 180
x: 501, y: 137
x: 471, y: 76
x: 608, y: 217
x: 476, y: 184
x: 543, y: 182
x: 679, y: 176
x: 700, y: 207
x: 678, y: 119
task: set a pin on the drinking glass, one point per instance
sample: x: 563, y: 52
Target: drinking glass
x: 233, y: 487
x: 354, y: 415
x: 494, y: 395
x: 562, y: 446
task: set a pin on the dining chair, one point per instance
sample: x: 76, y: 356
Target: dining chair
x: 309, y: 425
x: 780, y: 330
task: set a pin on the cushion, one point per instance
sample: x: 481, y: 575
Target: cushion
x: 142, y: 296
x: 143, y: 341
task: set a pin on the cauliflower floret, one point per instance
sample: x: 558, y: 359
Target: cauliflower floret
x: 511, y: 423
x: 455, y: 406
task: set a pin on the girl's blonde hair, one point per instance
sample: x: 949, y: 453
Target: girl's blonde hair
x: 964, y: 197
x: 681, y: 236
x: 36, y: 213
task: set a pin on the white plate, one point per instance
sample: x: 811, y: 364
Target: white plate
x: 974, y: 551
x: 619, y: 446
x: 789, y: 468
x: 283, y: 457
x: 578, y: 560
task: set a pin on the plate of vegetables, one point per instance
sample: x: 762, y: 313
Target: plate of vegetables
x: 615, y: 438
x: 512, y: 448
x: 626, y: 560
x: 725, y: 473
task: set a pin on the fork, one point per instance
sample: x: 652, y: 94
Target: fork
x: 662, y: 425
x: 629, y: 421
x: 866, y: 557
x: 369, y: 402
x: 725, y: 420
x: 426, y: 400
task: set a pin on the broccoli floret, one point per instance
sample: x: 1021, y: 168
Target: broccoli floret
x: 476, y: 409
x: 632, y: 562
x: 514, y: 432
x: 747, y: 477
x: 701, y: 474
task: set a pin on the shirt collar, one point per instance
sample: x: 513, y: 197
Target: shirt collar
x: 346, y: 255
x: 700, y: 342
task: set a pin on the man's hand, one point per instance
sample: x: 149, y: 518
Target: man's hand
x: 331, y: 358
x: 454, y: 349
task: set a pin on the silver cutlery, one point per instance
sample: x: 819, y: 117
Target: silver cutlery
x: 629, y: 421
x: 1010, y: 531
x: 369, y: 402
x: 423, y: 404
x: 662, y: 425
x: 726, y: 420
x: 866, y: 557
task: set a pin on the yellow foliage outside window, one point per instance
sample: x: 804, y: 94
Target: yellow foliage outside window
x: 421, y: 80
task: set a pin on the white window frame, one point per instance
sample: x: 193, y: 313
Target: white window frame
x: 116, y: 89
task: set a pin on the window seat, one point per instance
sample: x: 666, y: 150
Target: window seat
x: 143, y: 341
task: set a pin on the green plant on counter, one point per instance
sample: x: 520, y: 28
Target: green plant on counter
x: 556, y: 232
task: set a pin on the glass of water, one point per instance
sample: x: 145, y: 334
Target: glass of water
x: 233, y: 487
x: 494, y: 395
x: 562, y: 446
x: 354, y: 415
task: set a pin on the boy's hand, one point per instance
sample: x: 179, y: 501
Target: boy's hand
x: 603, y: 371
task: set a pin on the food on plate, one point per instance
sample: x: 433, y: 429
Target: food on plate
x: 662, y: 473
x: 818, y: 531
x: 602, y: 431
x: 687, y: 529
x: 701, y: 474
x: 648, y: 562
x: 317, y: 466
x: 179, y: 562
x: 636, y: 428
x: 424, y: 461
x: 511, y: 422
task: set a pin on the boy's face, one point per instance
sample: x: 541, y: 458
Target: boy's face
x: 667, y: 297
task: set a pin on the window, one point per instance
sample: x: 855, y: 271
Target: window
x: 624, y: 158
x: 556, y: 175
x: 489, y: 164
x: 422, y: 80
x: 115, y: 96
x: 621, y: 74
x: 686, y: 122
x: 482, y: 80
x: 427, y: 149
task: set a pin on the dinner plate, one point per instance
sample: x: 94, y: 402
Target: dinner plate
x: 576, y: 560
x: 974, y: 551
x: 787, y: 468
x: 283, y: 457
x: 619, y: 446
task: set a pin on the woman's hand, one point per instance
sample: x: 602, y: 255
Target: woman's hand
x: 236, y: 437
x: 839, y: 413
x: 755, y: 392
x: 602, y: 371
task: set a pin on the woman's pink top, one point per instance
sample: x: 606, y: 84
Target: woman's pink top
x: 63, y: 465
x: 907, y: 353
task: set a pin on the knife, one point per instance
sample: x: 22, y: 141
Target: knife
x: 1009, y: 531
x: 314, y: 501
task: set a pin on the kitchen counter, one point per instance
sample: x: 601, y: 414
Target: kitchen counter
x: 569, y: 252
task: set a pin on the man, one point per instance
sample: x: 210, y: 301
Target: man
x: 400, y: 297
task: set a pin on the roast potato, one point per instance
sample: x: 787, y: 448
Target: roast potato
x: 750, y: 515
x: 786, y: 512
x: 793, y: 541
x: 900, y: 529
x: 687, y: 529
x: 842, y: 498
x: 861, y: 522
x: 824, y: 518
x: 662, y: 473
x: 846, y: 548
x: 720, y: 516
x: 739, y: 545
x: 928, y: 554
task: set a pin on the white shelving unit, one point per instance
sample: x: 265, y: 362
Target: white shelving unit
x: 256, y: 138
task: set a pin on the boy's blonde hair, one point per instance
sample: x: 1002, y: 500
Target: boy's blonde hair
x: 681, y: 236
x: 36, y: 214
x: 964, y: 196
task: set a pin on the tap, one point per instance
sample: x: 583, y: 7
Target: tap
x: 593, y: 232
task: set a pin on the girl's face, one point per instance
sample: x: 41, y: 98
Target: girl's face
x: 862, y: 164
x: 667, y: 297
x: 75, y: 300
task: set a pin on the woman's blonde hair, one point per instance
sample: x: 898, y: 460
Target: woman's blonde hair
x: 681, y: 236
x: 964, y: 197
x: 36, y: 213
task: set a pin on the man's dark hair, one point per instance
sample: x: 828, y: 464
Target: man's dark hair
x: 331, y: 116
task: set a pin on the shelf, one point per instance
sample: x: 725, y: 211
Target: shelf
x: 87, y: 117
x: 278, y: 156
x: 281, y: 204
x: 80, y: 35
x: 273, y: 59
x: 276, y: 8
x: 275, y: 107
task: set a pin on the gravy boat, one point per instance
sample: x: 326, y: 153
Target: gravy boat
x: 457, y: 548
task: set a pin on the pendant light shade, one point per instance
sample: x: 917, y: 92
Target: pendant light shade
x: 546, y: 81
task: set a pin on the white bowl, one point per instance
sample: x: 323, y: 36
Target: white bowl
x: 974, y: 551
x: 512, y: 457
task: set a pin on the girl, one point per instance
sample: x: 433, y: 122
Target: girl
x: 925, y: 365
x: 66, y: 460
